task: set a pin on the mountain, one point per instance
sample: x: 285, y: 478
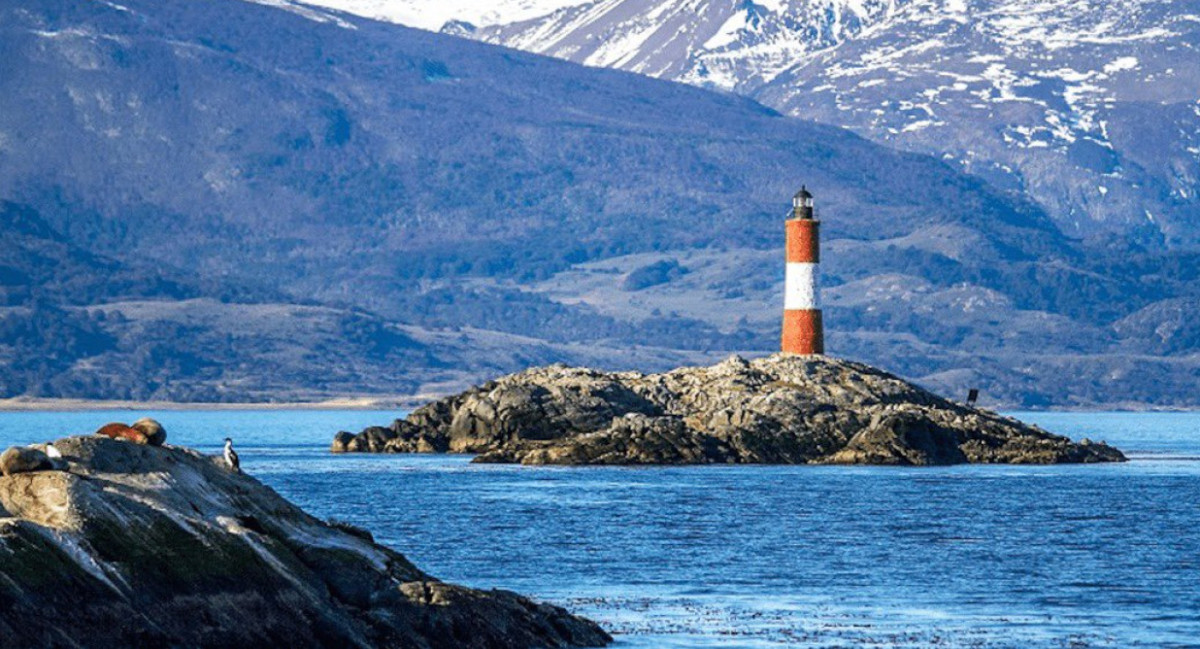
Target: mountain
x: 434, y: 15
x: 734, y: 45
x: 353, y: 207
x: 1089, y: 107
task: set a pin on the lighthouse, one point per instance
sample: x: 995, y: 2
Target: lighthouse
x: 802, y: 331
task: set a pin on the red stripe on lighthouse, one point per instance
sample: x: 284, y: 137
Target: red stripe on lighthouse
x: 802, y: 332
x: 803, y: 245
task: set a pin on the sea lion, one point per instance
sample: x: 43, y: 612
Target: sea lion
x: 117, y: 430
x: 23, y: 459
x: 154, y: 432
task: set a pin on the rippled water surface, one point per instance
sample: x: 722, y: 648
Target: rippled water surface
x: 969, y: 556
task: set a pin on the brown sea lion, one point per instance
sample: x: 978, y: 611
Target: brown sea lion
x: 154, y: 432
x: 118, y: 430
x: 23, y: 459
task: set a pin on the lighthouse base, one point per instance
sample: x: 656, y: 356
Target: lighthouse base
x: 803, y: 332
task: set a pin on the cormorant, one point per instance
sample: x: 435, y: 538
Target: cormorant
x: 231, y: 457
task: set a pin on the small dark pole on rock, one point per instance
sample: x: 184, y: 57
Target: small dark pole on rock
x: 972, y: 397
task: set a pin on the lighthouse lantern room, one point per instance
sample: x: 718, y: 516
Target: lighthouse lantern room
x: 802, y: 329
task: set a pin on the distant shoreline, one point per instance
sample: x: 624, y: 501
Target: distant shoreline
x: 398, y: 402
x: 24, y: 404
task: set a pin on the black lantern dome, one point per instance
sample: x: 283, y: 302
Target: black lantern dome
x: 802, y: 204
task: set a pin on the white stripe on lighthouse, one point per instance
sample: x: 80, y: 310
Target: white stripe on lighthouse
x: 800, y: 289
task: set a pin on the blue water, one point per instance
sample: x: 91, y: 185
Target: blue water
x: 968, y: 556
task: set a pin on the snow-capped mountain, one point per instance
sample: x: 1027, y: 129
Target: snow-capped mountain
x: 737, y: 45
x: 433, y: 14
x: 208, y: 200
x: 1089, y: 106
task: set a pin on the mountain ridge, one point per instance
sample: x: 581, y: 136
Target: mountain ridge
x: 1088, y: 107
x: 414, y: 212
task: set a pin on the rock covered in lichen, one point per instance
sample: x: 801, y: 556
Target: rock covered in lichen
x: 141, y: 546
x: 784, y: 409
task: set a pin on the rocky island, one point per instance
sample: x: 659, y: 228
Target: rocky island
x: 783, y: 409
x: 113, y: 541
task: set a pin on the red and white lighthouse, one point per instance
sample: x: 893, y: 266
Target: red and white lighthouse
x: 802, y: 330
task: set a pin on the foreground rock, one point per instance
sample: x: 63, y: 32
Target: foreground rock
x: 134, y: 545
x: 777, y: 410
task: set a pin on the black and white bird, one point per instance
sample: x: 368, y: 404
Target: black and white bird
x: 231, y: 457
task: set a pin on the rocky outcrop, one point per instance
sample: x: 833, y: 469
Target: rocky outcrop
x: 777, y: 410
x: 134, y: 545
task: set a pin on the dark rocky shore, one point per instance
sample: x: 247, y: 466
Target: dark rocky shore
x: 777, y: 410
x: 120, y: 543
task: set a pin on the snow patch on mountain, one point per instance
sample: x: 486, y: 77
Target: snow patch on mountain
x: 306, y: 11
x: 432, y: 15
